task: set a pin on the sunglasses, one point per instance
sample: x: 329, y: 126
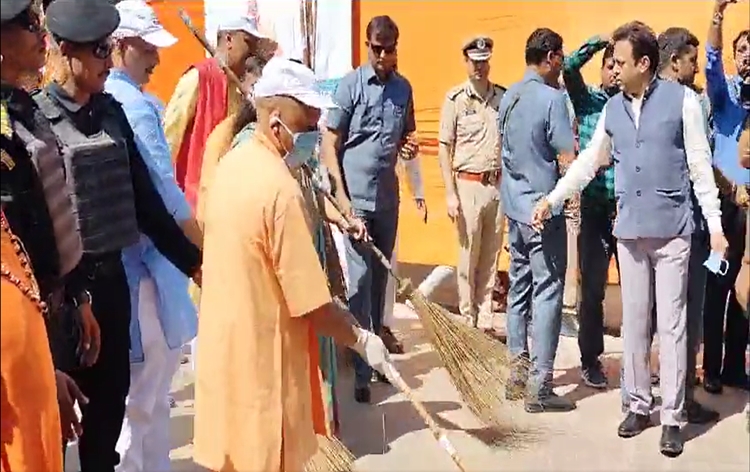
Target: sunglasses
x: 101, y: 49
x: 378, y: 50
x: 28, y: 21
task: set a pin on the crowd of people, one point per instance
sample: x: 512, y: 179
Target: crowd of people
x: 122, y: 219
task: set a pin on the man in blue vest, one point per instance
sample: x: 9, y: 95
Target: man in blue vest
x: 651, y: 117
x: 537, y: 135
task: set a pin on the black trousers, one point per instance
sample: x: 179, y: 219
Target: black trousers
x: 732, y: 341
x: 106, y: 383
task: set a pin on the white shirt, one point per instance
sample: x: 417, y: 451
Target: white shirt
x: 598, y: 153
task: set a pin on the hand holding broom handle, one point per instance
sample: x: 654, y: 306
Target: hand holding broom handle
x: 204, y: 42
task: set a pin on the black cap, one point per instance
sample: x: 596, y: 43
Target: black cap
x: 82, y: 21
x: 9, y: 9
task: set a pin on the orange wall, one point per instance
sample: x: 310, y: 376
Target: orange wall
x: 430, y: 57
x: 187, y: 51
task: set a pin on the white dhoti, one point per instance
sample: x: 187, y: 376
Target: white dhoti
x: 144, y: 442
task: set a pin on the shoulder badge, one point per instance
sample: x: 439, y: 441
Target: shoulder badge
x: 453, y: 93
x: 6, y: 129
x: 6, y: 160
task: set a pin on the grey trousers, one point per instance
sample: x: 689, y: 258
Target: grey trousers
x: 663, y: 263
x: 696, y: 291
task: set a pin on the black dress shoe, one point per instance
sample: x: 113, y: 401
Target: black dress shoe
x: 740, y: 381
x: 633, y: 425
x: 378, y: 377
x: 672, y: 443
x: 362, y: 394
x: 699, y: 414
x: 550, y: 402
x: 712, y: 385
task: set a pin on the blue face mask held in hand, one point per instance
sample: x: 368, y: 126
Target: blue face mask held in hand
x: 716, y: 264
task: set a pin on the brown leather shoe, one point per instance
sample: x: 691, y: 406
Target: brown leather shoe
x: 390, y: 340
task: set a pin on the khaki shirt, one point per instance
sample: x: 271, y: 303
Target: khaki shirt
x: 468, y: 123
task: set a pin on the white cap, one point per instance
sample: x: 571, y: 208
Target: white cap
x: 244, y: 23
x: 138, y: 19
x: 282, y: 77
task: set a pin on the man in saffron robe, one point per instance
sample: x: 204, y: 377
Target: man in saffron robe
x: 258, y: 240
x: 204, y: 97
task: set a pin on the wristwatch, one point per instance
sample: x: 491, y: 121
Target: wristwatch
x: 717, y: 19
x: 83, y: 298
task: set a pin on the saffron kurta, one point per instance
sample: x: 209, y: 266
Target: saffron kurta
x: 255, y: 408
x: 31, y: 433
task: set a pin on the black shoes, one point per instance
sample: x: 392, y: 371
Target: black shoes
x: 712, y: 385
x: 695, y: 413
x: 740, y: 381
x: 672, y: 443
x: 362, y: 394
x: 549, y: 402
x: 715, y: 385
x: 633, y: 425
x: 380, y: 378
x: 594, y: 376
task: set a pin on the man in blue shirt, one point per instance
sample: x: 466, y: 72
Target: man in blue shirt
x: 536, y: 132
x: 163, y: 317
x: 728, y: 116
x: 375, y: 115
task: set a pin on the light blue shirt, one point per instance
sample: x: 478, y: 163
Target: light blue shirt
x: 536, y: 128
x: 176, y: 311
x: 373, y: 117
x: 728, y: 116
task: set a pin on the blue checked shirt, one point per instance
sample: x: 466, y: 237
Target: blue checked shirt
x: 176, y: 311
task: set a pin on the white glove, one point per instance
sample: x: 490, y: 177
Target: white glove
x: 373, y: 351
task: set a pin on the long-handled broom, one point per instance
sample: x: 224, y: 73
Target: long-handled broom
x: 478, y: 366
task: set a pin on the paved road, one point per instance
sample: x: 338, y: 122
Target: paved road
x: 389, y: 435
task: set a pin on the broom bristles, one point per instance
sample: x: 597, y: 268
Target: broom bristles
x: 478, y: 366
x: 332, y: 456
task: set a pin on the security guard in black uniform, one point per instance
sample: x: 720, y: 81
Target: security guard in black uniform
x: 37, y: 204
x: 115, y: 202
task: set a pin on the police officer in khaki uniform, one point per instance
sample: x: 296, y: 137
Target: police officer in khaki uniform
x: 469, y: 156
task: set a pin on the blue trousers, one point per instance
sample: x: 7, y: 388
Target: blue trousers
x: 537, y: 280
x: 368, y: 279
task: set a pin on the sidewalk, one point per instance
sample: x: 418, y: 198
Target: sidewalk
x: 389, y: 436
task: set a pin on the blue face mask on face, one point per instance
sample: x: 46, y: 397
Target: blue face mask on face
x: 716, y: 264
x: 303, y: 146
